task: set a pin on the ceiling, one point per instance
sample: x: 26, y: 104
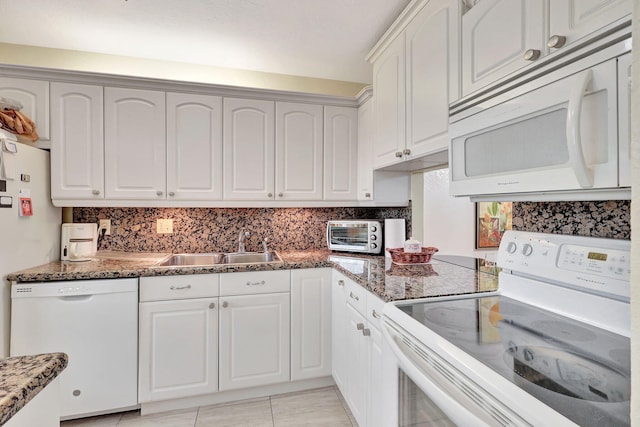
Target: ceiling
x: 313, y: 38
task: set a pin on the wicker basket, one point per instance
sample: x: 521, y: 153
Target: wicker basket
x: 399, y: 256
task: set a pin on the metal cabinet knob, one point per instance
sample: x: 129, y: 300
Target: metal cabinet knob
x: 159, y: 193
x: 270, y: 195
x: 406, y: 151
x: 171, y: 193
x: 355, y: 297
x: 556, y: 41
x: 95, y: 192
x: 280, y: 195
x: 212, y: 305
x: 360, y: 326
x: 366, y: 332
x: 398, y: 153
x: 367, y: 195
x: 375, y: 314
x: 340, y: 282
x: 531, y: 54
x: 225, y: 304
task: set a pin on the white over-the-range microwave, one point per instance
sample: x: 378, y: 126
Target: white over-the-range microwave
x: 563, y: 135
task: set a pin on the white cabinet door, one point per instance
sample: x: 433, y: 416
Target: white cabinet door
x: 178, y: 348
x: 310, y: 323
x: 495, y: 36
x: 34, y: 97
x: 135, y: 144
x: 298, y: 151
x: 194, y: 147
x: 339, y: 356
x: 365, y: 150
x: 340, y: 153
x: 248, y: 145
x: 358, y: 364
x: 77, y: 149
x: 389, y: 121
x: 254, y: 340
x: 575, y: 19
x: 431, y: 76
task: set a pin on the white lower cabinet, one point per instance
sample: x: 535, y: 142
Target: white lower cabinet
x: 178, y: 353
x: 310, y: 323
x: 357, y: 349
x: 254, y: 329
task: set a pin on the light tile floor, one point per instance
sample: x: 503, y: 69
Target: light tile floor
x: 312, y: 408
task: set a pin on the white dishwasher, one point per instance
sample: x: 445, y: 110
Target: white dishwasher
x: 96, y: 323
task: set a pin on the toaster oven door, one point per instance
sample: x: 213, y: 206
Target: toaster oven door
x: 348, y: 236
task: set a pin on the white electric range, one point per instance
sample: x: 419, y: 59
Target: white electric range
x: 550, y: 348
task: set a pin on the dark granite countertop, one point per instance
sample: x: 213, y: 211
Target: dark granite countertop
x: 443, y: 276
x: 23, y: 377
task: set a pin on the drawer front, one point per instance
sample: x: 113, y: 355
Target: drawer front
x: 255, y: 282
x: 356, y: 296
x: 161, y: 288
x: 374, y: 309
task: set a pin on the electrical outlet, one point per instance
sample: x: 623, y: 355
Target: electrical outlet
x: 105, y: 224
x: 164, y: 226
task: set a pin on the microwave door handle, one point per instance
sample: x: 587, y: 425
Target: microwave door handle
x: 583, y: 172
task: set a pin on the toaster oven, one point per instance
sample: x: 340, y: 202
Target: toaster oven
x: 363, y: 236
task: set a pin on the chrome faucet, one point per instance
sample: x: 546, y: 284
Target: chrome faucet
x: 242, y: 237
x: 265, y: 248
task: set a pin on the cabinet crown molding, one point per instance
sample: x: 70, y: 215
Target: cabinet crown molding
x: 395, y: 29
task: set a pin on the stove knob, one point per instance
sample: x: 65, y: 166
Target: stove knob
x: 511, y: 247
x: 373, y: 237
x: 527, y: 249
x: 374, y: 228
x: 528, y: 355
x: 373, y: 246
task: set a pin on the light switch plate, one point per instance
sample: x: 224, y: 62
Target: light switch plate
x: 164, y: 226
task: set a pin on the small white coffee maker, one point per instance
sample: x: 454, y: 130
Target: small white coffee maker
x: 79, y: 241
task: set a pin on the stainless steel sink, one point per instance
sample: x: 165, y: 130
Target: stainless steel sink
x: 210, y: 259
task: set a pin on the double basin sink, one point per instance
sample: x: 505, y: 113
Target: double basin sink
x: 211, y: 259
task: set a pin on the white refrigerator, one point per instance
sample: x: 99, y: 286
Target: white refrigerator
x: 25, y: 241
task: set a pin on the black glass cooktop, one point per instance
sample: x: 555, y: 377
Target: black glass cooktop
x: 579, y: 370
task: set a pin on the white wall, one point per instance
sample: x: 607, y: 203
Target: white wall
x: 449, y: 222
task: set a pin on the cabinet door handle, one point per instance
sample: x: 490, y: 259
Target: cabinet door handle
x: 225, y: 304
x: 177, y: 288
x: 367, y: 195
x: 366, y: 332
x: 212, y: 305
x: 556, y: 41
x: 355, y: 297
x: 256, y: 283
x: 171, y: 193
x: 531, y: 54
x: 360, y: 326
x: 375, y: 314
x: 270, y: 195
x: 280, y: 195
x: 398, y: 153
x: 406, y: 151
x: 159, y: 193
x: 95, y: 192
x: 340, y: 282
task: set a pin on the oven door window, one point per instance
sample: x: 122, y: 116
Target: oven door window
x: 355, y: 236
x: 416, y: 408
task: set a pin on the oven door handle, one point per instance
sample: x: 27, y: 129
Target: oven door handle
x: 448, y: 394
x: 583, y: 172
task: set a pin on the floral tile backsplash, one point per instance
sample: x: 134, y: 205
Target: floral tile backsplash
x: 216, y: 229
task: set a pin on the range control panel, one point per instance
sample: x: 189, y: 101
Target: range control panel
x: 601, y: 264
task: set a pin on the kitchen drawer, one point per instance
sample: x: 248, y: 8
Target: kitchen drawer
x: 356, y: 296
x: 178, y: 287
x: 255, y: 282
x: 374, y: 309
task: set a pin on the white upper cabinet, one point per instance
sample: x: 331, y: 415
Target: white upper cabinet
x: 298, y: 151
x: 248, y: 145
x: 135, y: 144
x: 34, y: 97
x: 340, y: 150
x: 576, y: 19
x: 502, y: 38
x: 498, y: 38
x: 431, y: 76
x: 194, y: 147
x: 415, y: 77
x: 77, y: 129
x: 389, y: 123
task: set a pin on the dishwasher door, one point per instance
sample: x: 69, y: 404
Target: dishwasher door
x: 96, y: 323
